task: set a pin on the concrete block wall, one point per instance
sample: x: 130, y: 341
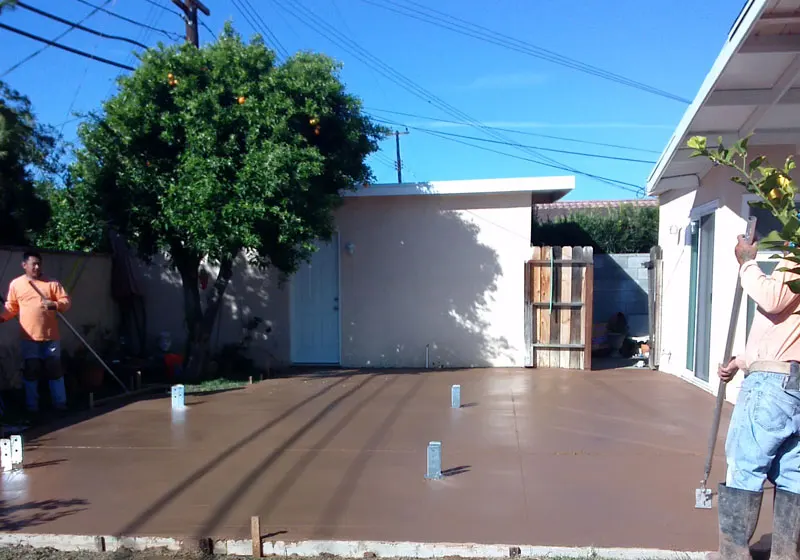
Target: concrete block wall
x: 620, y: 284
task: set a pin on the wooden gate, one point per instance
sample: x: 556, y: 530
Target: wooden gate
x: 558, y: 308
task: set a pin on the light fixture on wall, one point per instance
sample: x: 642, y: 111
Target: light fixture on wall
x: 350, y: 247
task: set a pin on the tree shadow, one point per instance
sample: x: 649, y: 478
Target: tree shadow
x: 32, y: 514
x: 424, y: 274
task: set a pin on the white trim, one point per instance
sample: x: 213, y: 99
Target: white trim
x: 338, y: 236
x: 344, y: 549
x: 557, y: 187
x: 703, y: 210
x: 743, y: 28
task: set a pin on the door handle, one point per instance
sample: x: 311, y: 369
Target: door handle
x: 336, y: 308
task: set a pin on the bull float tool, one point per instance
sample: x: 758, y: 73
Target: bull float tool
x: 703, y: 496
x: 83, y: 340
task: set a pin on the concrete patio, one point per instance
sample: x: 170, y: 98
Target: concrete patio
x: 534, y: 457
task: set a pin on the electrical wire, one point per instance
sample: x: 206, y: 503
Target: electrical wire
x: 630, y: 187
x: 166, y: 9
x: 486, y: 34
x: 62, y: 47
x: 78, y: 25
x: 254, y: 18
x: 311, y: 20
x: 514, y: 131
x: 170, y: 34
x: 48, y: 43
x: 516, y: 144
x: 207, y: 28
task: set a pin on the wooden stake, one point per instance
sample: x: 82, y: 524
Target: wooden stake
x: 255, y: 535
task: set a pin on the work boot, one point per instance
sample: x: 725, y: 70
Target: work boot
x: 785, y: 526
x: 738, y: 516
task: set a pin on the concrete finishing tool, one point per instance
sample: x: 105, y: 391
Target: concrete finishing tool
x: 703, y: 496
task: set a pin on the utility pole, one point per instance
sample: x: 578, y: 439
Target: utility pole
x: 189, y: 9
x: 399, y: 163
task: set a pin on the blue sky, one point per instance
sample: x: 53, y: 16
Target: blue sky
x: 666, y: 45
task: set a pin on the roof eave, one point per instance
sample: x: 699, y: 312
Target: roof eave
x: 742, y: 28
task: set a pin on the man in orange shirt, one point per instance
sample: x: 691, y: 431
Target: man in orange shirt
x: 40, y: 342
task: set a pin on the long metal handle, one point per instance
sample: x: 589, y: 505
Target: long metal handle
x: 737, y: 303
x: 83, y: 340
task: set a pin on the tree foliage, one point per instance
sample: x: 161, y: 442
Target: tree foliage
x: 215, y: 152
x: 27, y: 164
x: 627, y: 229
x: 774, y: 187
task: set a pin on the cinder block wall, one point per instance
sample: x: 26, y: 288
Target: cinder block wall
x: 620, y: 284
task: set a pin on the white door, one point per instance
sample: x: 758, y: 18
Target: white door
x: 315, y: 307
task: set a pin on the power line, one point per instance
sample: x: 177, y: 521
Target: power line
x: 482, y: 33
x: 333, y: 35
x: 170, y: 34
x: 630, y: 187
x: 62, y: 47
x: 48, y: 43
x: 78, y: 25
x: 516, y: 144
x: 254, y: 19
x: 170, y: 10
x: 514, y: 131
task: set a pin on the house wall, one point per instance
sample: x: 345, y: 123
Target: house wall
x: 620, y: 284
x: 251, y: 293
x: 444, y: 271
x: 440, y: 271
x: 716, y: 191
x: 87, y: 279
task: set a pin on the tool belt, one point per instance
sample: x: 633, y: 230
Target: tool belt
x: 786, y: 368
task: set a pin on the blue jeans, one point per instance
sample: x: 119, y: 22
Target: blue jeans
x: 764, y: 435
x: 48, y: 355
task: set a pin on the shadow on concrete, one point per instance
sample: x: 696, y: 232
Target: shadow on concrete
x: 338, y: 503
x: 246, y: 483
x: 31, y: 514
x: 454, y: 471
x: 209, y: 467
x: 271, y: 501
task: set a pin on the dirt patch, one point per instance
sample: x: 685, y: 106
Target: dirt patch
x: 28, y: 553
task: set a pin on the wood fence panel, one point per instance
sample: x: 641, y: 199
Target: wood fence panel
x: 558, y: 307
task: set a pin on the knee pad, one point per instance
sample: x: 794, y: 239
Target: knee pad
x: 52, y: 369
x: 32, y: 370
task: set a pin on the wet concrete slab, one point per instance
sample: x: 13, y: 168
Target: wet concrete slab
x: 541, y: 457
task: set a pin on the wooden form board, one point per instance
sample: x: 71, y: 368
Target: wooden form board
x: 559, y: 286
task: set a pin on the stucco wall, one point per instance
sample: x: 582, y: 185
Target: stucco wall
x: 444, y: 271
x: 676, y: 207
x: 620, y: 284
x: 87, y: 279
x: 251, y: 293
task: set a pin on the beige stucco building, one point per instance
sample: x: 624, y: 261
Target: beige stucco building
x: 416, y: 274
x: 753, y: 87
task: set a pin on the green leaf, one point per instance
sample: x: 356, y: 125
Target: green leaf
x: 794, y: 286
x: 753, y: 165
x: 697, y: 143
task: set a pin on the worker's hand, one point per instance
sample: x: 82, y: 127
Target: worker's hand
x: 745, y: 251
x: 726, y: 373
x: 48, y: 304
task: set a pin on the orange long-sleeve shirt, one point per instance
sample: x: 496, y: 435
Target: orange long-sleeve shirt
x: 775, y: 332
x: 35, y: 322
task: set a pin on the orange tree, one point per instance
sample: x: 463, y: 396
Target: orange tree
x: 774, y: 187
x: 215, y: 152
